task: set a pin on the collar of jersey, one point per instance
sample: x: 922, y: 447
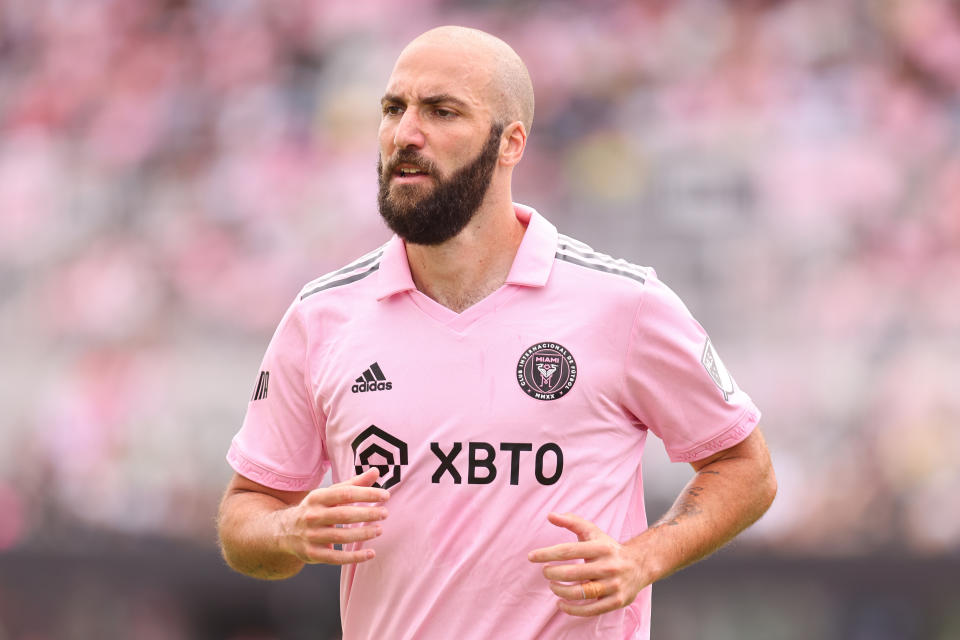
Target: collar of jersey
x: 531, y: 266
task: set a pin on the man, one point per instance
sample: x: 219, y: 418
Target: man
x: 481, y: 388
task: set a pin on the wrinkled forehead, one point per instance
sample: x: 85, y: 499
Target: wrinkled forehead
x: 426, y: 69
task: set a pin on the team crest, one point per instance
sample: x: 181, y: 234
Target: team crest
x: 546, y: 371
x: 714, y: 366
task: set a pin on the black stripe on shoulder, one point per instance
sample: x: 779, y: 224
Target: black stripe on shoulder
x: 330, y: 284
x: 361, y: 263
x: 573, y: 243
x: 581, y: 250
x: 605, y: 268
x: 373, y: 256
x: 585, y: 253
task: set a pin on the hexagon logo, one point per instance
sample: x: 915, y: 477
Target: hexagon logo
x: 374, y: 447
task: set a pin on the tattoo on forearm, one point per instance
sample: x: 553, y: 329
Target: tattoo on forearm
x: 686, y: 505
x: 684, y: 508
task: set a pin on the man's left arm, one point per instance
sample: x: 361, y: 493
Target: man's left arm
x: 730, y: 491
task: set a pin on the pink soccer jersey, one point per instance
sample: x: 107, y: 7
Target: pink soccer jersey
x: 539, y: 398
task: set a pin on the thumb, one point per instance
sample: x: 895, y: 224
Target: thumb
x: 583, y: 528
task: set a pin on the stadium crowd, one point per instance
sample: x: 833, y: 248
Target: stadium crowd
x: 172, y: 171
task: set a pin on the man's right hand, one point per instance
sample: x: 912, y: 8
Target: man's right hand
x: 310, y: 529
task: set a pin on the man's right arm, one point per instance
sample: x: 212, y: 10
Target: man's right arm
x: 270, y: 534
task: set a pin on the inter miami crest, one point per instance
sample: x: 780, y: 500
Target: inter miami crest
x: 377, y: 448
x: 546, y: 371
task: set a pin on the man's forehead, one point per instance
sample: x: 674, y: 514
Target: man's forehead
x: 428, y: 70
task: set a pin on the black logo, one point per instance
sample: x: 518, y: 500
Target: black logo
x: 262, y: 383
x: 546, y: 371
x: 481, y: 466
x: 377, y: 448
x: 371, y: 380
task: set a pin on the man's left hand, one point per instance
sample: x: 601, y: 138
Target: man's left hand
x: 610, y: 576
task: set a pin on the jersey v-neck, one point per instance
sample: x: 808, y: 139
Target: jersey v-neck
x: 531, y: 268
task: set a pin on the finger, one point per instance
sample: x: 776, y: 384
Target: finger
x: 582, y: 591
x: 345, y: 514
x: 584, y: 529
x: 343, y: 493
x: 325, y: 555
x: 576, y: 572
x: 568, y: 551
x: 365, y: 479
x: 343, y: 535
x: 591, y: 607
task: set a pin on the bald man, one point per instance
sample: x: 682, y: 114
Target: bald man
x: 481, y: 388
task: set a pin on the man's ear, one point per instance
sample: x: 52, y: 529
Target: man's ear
x: 512, y: 143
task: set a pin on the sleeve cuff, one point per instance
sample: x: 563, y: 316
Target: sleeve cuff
x: 728, y: 438
x: 253, y: 471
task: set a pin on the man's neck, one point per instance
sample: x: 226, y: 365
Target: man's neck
x: 473, y: 264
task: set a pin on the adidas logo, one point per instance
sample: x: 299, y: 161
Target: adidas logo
x: 372, y: 380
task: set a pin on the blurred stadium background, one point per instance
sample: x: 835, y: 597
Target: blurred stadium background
x: 171, y: 172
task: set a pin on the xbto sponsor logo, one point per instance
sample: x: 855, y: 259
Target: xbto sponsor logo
x: 480, y: 462
x: 374, y: 447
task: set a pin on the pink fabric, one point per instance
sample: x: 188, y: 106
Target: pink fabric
x: 451, y: 562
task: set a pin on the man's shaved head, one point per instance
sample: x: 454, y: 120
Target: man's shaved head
x: 509, y: 87
x: 455, y: 116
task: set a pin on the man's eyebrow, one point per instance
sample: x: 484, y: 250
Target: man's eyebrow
x: 444, y: 98
x: 440, y: 98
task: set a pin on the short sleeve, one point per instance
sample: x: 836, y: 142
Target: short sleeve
x: 675, y: 383
x: 280, y: 444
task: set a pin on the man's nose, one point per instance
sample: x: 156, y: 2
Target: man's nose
x: 409, y: 133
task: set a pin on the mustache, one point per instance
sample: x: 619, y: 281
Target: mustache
x: 408, y: 156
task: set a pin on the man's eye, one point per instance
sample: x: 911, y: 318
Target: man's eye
x: 392, y: 110
x: 444, y: 113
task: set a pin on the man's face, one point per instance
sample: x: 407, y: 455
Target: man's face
x: 438, y: 149
x: 436, y: 214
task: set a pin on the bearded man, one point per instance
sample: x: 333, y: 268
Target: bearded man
x: 481, y: 388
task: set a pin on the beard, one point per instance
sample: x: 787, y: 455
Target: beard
x: 441, y: 214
